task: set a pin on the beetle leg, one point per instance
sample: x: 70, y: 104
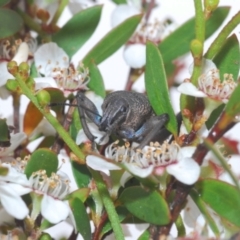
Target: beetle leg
x: 151, y: 129
x: 87, y: 108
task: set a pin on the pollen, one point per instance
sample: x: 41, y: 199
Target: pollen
x: 154, y: 154
x: 212, y: 86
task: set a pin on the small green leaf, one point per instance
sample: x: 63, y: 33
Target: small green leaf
x: 222, y: 197
x: 214, y: 116
x: 120, y: 1
x: 10, y: 23
x: 148, y: 206
x: 81, y: 218
x: 156, y: 86
x: 81, y: 174
x: 233, y: 105
x: 81, y: 193
x: 228, y: 59
x: 203, y: 208
x: 78, y: 30
x: 5, y: 134
x: 42, y: 159
x: 96, y: 83
x: 178, y: 43
x: 4, y: 2
x: 112, y: 41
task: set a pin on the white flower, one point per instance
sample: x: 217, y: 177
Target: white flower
x: 20, y: 56
x: 122, y: 12
x: 153, y: 159
x: 78, y: 5
x: 135, y: 51
x: 12, y: 186
x: 81, y: 136
x: 210, y: 84
x: 53, y: 63
x: 53, y: 190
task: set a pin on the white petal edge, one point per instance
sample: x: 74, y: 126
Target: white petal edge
x: 44, y: 82
x: 125, y: 177
x: 186, y: 171
x: 121, y: 13
x: 13, y: 204
x: 100, y: 164
x: 138, y: 171
x: 54, y: 210
x: 22, y: 53
x: 191, y: 90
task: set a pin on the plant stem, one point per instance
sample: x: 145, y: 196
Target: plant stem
x: 221, y: 38
x: 58, y: 13
x: 108, y: 204
x: 31, y: 24
x: 200, y: 36
x: 58, y: 127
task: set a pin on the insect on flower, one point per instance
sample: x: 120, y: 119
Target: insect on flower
x: 128, y: 115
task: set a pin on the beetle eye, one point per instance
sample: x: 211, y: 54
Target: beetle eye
x: 123, y: 109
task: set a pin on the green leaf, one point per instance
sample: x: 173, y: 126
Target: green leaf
x: 10, y: 23
x: 148, y: 206
x: 221, y: 160
x: 81, y: 174
x: 96, y: 83
x: 122, y: 213
x: 112, y: 41
x: 156, y: 86
x: 81, y: 193
x: 42, y: 159
x: 81, y: 218
x: 214, y: 116
x: 5, y: 134
x: 203, y: 208
x: 228, y: 59
x: 120, y: 1
x: 145, y: 235
x: 222, y: 197
x: 4, y: 2
x: 78, y: 30
x: 178, y: 43
x: 233, y: 105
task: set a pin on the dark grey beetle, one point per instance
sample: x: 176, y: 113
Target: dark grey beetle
x: 128, y: 115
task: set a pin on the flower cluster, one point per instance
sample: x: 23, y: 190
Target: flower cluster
x: 153, y: 159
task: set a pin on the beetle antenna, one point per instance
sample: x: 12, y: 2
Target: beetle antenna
x: 74, y: 105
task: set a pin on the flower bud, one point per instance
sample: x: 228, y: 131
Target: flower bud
x: 24, y: 67
x: 43, y: 97
x: 196, y: 48
x: 211, y: 5
x: 12, y: 85
x: 45, y: 236
x: 12, y: 67
x: 43, y: 15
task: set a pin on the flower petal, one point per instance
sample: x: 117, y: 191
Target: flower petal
x: 125, y: 177
x: 49, y: 56
x: 4, y: 74
x: 44, y: 82
x: 189, y: 89
x: 100, y: 164
x: 186, y: 171
x: 22, y: 53
x: 54, y: 210
x: 138, y: 171
x: 12, y: 203
x: 81, y: 137
x: 121, y: 13
x: 135, y: 55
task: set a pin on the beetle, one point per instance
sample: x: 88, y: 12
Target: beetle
x: 126, y: 114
